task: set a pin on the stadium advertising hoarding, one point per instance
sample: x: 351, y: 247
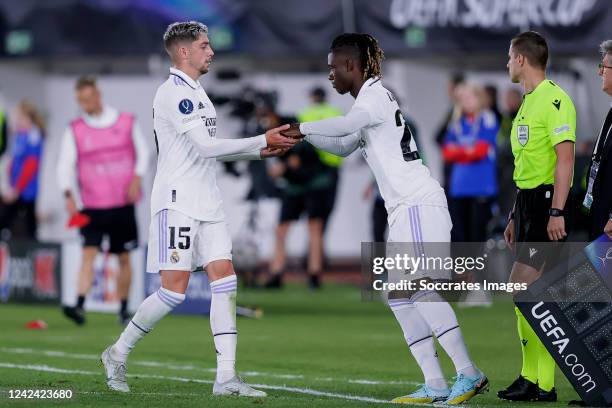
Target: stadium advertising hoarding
x: 570, y: 309
x: 29, y: 272
x: 403, y: 27
x: 103, y: 296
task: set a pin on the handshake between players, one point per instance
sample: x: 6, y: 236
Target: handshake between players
x: 280, y: 139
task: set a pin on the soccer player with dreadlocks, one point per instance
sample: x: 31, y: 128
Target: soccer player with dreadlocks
x: 416, y: 204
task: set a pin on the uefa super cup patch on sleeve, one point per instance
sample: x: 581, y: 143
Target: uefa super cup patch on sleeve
x: 561, y: 129
x: 185, y: 106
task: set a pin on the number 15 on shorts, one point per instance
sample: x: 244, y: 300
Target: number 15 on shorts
x: 179, y: 236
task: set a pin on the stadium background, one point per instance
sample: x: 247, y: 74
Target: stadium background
x: 46, y: 45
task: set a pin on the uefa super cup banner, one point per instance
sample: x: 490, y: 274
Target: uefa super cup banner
x: 570, y: 309
x: 29, y: 272
x: 403, y: 27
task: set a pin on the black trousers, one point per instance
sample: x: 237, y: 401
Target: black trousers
x: 17, y: 211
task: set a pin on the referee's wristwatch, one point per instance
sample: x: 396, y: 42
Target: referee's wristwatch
x: 555, y: 212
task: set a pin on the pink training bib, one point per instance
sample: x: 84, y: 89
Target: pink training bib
x: 106, y: 160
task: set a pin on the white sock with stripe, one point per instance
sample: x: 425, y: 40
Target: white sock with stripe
x: 420, y: 341
x: 442, y: 320
x: 223, y: 325
x: 150, y: 311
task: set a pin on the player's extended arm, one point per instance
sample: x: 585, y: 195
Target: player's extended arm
x: 253, y: 155
x: 339, y: 126
x: 340, y: 146
x: 209, y: 147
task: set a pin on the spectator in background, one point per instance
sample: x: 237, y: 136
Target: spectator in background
x: 505, y: 159
x: 3, y: 132
x: 321, y: 109
x: 25, y: 156
x: 306, y: 190
x: 454, y: 81
x: 470, y: 149
x: 264, y: 118
x: 102, y: 159
x: 490, y: 101
x: 598, y: 198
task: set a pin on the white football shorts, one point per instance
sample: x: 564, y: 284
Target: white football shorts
x: 179, y: 242
x: 420, y: 231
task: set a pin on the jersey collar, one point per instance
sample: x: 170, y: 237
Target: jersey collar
x: 177, y: 72
x: 368, y: 83
x: 540, y: 86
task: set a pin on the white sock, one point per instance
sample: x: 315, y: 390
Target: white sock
x: 223, y: 325
x: 150, y: 311
x: 420, y: 340
x: 442, y: 320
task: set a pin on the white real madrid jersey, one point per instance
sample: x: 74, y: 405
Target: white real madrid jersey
x: 185, y: 181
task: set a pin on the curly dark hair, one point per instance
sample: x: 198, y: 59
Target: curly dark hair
x: 366, y: 49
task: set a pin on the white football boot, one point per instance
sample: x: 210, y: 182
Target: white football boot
x: 236, y: 386
x: 115, y: 372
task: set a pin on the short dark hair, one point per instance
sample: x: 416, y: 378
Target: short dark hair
x: 85, y: 81
x: 366, y: 48
x: 319, y: 93
x: 183, y: 31
x: 532, y: 46
x: 457, y: 78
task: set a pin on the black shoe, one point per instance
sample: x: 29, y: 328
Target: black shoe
x: 314, y: 282
x: 275, y: 282
x: 547, y: 396
x: 75, y: 314
x: 520, y: 390
x: 578, y: 403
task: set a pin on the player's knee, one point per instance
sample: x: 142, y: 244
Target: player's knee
x: 175, y: 281
x: 219, y: 269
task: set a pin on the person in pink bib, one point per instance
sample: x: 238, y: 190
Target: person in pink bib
x: 102, y: 161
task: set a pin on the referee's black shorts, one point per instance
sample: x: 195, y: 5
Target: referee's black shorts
x: 533, y: 247
x: 119, y: 224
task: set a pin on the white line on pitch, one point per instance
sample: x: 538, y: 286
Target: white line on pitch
x: 306, y: 391
x: 189, y: 367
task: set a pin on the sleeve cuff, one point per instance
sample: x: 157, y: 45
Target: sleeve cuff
x: 263, y: 143
x: 304, y: 128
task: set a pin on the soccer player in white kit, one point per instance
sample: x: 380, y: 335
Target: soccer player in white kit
x: 415, y: 202
x: 188, y: 228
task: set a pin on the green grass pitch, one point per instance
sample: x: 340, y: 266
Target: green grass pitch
x: 311, y: 349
